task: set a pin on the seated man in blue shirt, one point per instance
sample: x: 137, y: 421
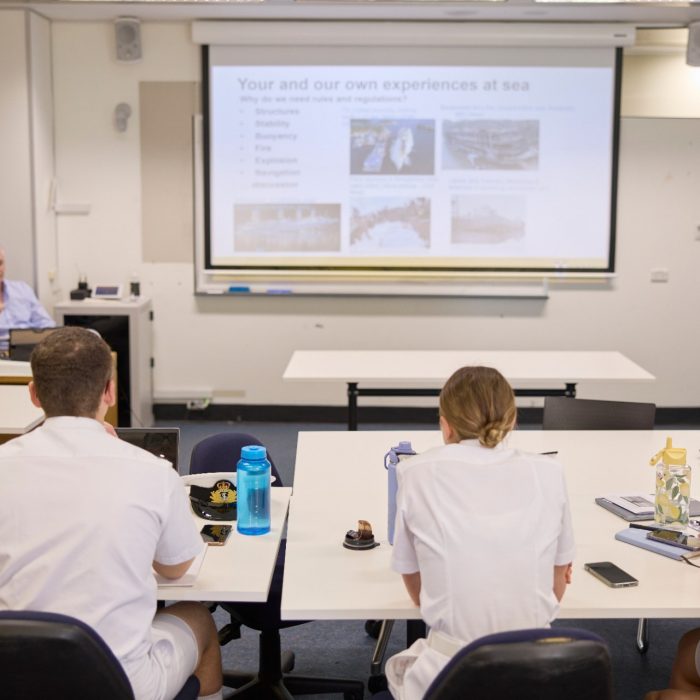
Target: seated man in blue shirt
x: 19, y: 307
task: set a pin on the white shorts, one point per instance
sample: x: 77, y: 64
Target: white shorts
x: 172, y: 659
x: 410, y: 672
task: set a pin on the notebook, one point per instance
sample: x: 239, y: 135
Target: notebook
x: 639, y: 539
x: 633, y: 517
x: 161, y: 442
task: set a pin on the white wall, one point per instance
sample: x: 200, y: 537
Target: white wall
x: 236, y: 349
x: 26, y: 145
x: 15, y: 146
x: 42, y: 158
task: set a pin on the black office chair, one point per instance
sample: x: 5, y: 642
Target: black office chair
x: 220, y: 453
x: 56, y: 656
x: 563, y: 413
x: 535, y: 664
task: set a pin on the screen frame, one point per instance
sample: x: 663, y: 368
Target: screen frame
x: 107, y: 290
x: 137, y: 437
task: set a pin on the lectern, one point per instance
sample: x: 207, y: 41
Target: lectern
x: 127, y: 326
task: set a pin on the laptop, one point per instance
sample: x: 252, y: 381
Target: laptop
x: 161, y: 442
x: 23, y: 340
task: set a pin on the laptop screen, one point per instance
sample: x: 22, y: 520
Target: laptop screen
x: 23, y: 340
x: 161, y: 442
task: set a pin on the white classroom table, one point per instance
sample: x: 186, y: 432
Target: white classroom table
x: 531, y: 372
x: 18, y: 415
x: 240, y: 570
x: 339, y: 478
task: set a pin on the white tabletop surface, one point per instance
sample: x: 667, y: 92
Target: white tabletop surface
x: 435, y: 366
x: 18, y: 415
x: 339, y: 478
x: 240, y: 570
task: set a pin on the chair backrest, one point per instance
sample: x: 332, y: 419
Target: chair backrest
x: 56, y: 656
x: 563, y: 413
x: 221, y: 452
x: 538, y: 664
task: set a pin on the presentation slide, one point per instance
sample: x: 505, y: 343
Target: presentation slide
x: 436, y: 167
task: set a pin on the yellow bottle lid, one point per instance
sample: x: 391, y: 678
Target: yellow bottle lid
x: 670, y: 454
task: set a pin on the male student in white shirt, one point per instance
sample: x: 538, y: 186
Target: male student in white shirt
x: 85, y: 517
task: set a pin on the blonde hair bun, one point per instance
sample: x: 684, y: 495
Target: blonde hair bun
x: 491, y: 435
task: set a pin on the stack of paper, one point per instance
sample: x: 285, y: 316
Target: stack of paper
x: 189, y: 577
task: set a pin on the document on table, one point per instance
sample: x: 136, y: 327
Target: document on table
x: 635, y: 502
x: 189, y: 577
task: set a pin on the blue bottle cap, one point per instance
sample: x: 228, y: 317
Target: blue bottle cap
x: 253, y: 452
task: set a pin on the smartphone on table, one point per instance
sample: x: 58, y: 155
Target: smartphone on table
x: 675, y: 538
x: 610, y: 574
x: 215, y: 534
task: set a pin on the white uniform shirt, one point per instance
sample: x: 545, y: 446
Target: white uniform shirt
x: 485, y: 528
x: 82, y: 517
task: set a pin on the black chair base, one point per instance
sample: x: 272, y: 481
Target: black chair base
x: 271, y: 682
x: 289, y: 686
x: 238, y: 679
x: 377, y: 683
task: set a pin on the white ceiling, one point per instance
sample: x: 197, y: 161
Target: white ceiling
x: 640, y: 14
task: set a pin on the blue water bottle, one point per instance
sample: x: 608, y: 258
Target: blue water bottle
x: 391, y: 459
x: 253, y: 485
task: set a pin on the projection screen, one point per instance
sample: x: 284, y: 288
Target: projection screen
x: 341, y: 161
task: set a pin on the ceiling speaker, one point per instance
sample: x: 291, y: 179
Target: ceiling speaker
x: 127, y: 36
x: 692, y: 56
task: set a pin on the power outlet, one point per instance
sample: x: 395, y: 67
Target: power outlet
x: 659, y: 274
x: 197, y: 404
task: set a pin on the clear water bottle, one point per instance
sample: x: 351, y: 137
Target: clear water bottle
x: 253, y: 485
x: 672, y: 501
x: 391, y: 459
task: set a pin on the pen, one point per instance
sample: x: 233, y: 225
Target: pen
x: 555, y: 452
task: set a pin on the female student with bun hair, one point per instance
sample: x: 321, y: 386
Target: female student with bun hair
x: 483, y: 532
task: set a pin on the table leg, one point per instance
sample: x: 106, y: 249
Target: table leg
x: 354, y: 392
x: 352, y: 405
x: 375, y: 668
x: 642, y: 635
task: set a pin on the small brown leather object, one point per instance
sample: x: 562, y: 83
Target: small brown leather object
x: 362, y: 538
